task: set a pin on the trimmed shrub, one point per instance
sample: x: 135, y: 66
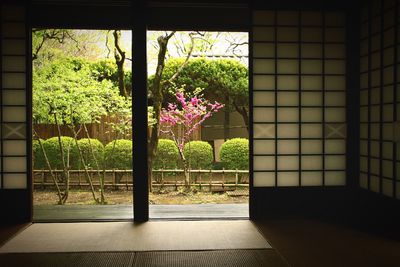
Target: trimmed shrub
x: 98, y: 152
x: 199, y: 154
x: 38, y: 158
x: 234, y: 154
x: 167, y: 155
x: 118, y: 154
x: 53, y: 152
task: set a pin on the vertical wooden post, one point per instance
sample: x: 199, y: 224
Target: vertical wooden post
x: 236, y: 179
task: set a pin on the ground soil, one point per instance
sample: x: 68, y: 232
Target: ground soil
x: 46, y: 197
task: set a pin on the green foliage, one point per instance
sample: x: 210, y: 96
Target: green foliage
x: 118, y: 154
x: 234, y: 154
x: 68, y: 87
x: 167, y: 155
x: 53, y: 152
x: 39, y: 161
x: 90, y: 147
x: 221, y: 78
x: 107, y: 70
x: 199, y: 154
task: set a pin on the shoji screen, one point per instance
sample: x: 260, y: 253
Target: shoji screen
x: 380, y: 98
x: 13, y: 116
x: 298, y: 89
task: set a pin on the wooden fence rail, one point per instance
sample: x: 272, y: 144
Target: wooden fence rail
x: 204, y: 179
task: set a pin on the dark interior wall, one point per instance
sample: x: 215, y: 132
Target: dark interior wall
x: 379, y: 96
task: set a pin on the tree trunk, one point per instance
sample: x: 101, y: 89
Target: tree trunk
x: 119, y: 56
x: 244, y: 113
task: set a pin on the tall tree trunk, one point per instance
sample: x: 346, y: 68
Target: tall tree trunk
x: 244, y: 113
x: 119, y: 56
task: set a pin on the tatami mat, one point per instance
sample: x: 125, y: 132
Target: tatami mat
x: 126, y: 236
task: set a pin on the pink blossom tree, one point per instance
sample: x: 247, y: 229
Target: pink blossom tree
x: 189, y: 113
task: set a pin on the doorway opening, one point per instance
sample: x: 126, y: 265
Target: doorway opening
x: 82, y: 116
x: 198, y: 124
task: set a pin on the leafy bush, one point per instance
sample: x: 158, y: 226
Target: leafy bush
x: 53, y: 152
x: 39, y: 161
x: 199, y: 154
x: 118, y: 154
x: 98, y: 152
x: 234, y: 154
x: 167, y: 155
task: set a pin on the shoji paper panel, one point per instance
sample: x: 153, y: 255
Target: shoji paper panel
x: 299, y: 113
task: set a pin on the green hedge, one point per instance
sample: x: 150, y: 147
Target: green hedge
x: 118, y: 154
x: 199, y: 154
x: 39, y: 161
x: 98, y: 152
x: 53, y: 152
x: 234, y: 154
x: 167, y: 155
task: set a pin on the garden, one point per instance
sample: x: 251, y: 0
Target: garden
x: 82, y: 139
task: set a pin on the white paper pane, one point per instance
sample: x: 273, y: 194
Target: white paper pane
x: 263, y: 33
x: 311, y: 178
x: 14, y: 97
x: 287, y: 34
x: 388, y: 94
x: 311, y: 66
x: 374, y: 128
x: 335, y: 146
x: 387, y: 188
x: 387, y: 148
x: 13, y: 47
x: 263, y: 50
x: 263, y: 66
x: 14, y: 148
x: 14, y: 114
x: 287, y: 18
x: 335, y: 50
x: 334, y: 35
x: 387, y: 129
x: 264, y: 179
x: 363, y: 130
x: 263, y: 147
x: 263, y: 82
x: 335, y: 99
x: 14, y: 164
x: 335, y: 66
x: 311, y: 34
x: 311, y: 99
x: 288, y: 114
x: 335, y: 178
x: 263, y: 114
x: 311, y: 115
x: 13, y: 63
x: 311, y: 82
x: 388, y: 113
x: 288, y: 179
x: 288, y: 163
x: 364, y: 164
x: 288, y: 98
x: 335, y: 162
x: 263, y: 98
x: 15, y: 181
x: 288, y: 82
x: 264, y: 130
x: 387, y: 168
x: 288, y: 147
x: 335, y: 114
x: 311, y: 146
x: 375, y: 113
x: 288, y: 50
x: 266, y: 163
x: 335, y: 83
x: 311, y: 50
x: 364, y: 114
x: 374, y: 148
x: 311, y: 162
x: 263, y: 17
x: 311, y: 130
x: 14, y: 80
x: 363, y: 148
x: 288, y: 66
x: 375, y: 95
x: 288, y: 130
x: 13, y: 29
x: 374, y: 184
